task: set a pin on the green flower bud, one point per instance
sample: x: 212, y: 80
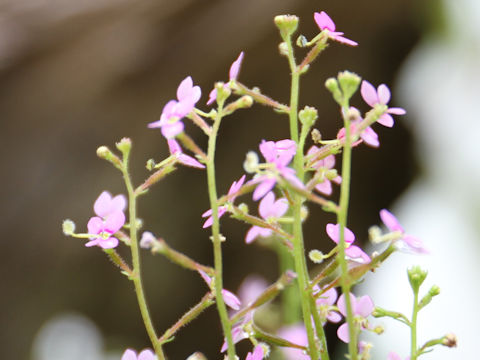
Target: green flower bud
x: 124, y: 146
x: 349, y: 83
x: 434, y: 291
x: 287, y: 24
x: 374, y: 234
x: 243, y: 208
x: 416, y: 276
x: 104, y: 152
x: 250, y: 164
x: 308, y: 115
x: 68, y: 227
x: 316, y: 256
x: 283, y: 48
x: 223, y: 92
x: 150, y: 164
x: 331, y: 174
x: 332, y: 85
x: 316, y: 136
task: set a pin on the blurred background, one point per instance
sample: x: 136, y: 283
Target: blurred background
x: 77, y: 75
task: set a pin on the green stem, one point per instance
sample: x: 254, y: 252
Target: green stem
x: 413, y: 326
x: 136, y: 277
x: 342, y: 221
x: 217, y: 246
x: 298, y: 244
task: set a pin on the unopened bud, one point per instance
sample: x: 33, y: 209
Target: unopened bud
x: 250, y: 164
x: 148, y: 240
x: 416, y: 276
x: 104, y: 152
x: 308, y: 115
x: 434, y: 291
x: 378, y: 329
x: 304, y: 213
x: 150, y: 164
x: 316, y: 256
x: 374, y: 234
x: 243, y: 208
x: 316, y: 136
x: 124, y: 146
x: 353, y: 114
x: 197, y: 356
x: 332, y: 85
x: 287, y: 24
x: 302, y: 41
x: 68, y: 227
x: 283, y: 48
x: 245, y: 101
x: 349, y: 83
x: 223, y: 92
x: 450, y: 340
x: 331, y: 174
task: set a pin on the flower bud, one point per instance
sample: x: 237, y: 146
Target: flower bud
x: 374, y: 234
x: 416, y: 276
x: 124, y: 146
x: 148, y: 240
x: 197, y: 356
x: 331, y: 174
x: 450, y: 340
x: 223, y: 92
x: 332, y: 85
x: 304, y: 213
x: 104, y: 152
x: 353, y: 114
x: 283, y: 48
x: 349, y: 83
x: 68, y: 227
x: 150, y: 164
x: 287, y: 24
x: 302, y: 41
x: 308, y: 115
x: 316, y: 256
x: 250, y: 164
x: 316, y: 136
x: 434, y: 291
x: 378, y: 330
x: 243, y: 208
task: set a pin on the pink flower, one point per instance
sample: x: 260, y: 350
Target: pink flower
x: 324, y: 22
x: 268, y: 209
x: 297, y: 335
x: 368, y: 135
x: 325, y: 304
x: 278, y: 154
x: 406, y: 243
x: 234, y: 188
x: 233, y: 74
x: 110, y: 219
x: 352, y: 252
x: 380, y: 96
x: 325, y: 187
x: 394, y: 356
x: 130, y: 354
x: 256, y: 355
x: 361, y: 307
x: 175, y: 110
x: 176, y: 149
x: 230, y: 298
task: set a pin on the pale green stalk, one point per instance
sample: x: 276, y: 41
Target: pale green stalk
x: 413, y: 326
x: 298, y: 244
x: 217, y: 246
x: 136, y: 275
x: 342, y: 221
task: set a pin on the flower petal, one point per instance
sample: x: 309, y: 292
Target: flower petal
x: 342, y: 333
x: 370, y: 137
x: 386, y: 120
x: 324, y: 187
x: 146, y: 355
x: 383, y: 94
x: 356, y: 254
x: 264, y: 187
x: 369, y: 94
x: 235, y: 67
x: 396, y: 111
x: 364, y: 306
x: 170, y: 130
x: 390, y: 221
x: 102, y: 205
x: 114, y: 222
x: 95, y: 225
x: 184, y: 90
x: 231, y: 299
x: 324, y: 21
x: 129, y: 354
x: 109, y: 243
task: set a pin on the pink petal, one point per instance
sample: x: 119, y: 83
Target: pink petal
x: 146, y: 355
x: 289, y: 175
x: 324, y: 21
x: 173, y: 146
x: 190, y: 161
x: 412, y: 244
x: 237, y: 334
x: 369, y: 94
x: 341, y: 39
x: 114, y: 222
x: 235, y: 67
x: 324, y: 187
x: 370, y: 137
x: 257, y: 231
x: 109, y: 243
x: 329, y: 161
x: 280, y: 208
x: 390, y: 221
x: 342, y: 333
x: 118, y: 203
x: 95, y: 225
x: 396, y: 111
x: 231, y: 299
x: 93, y: 242
x: 364, y: 306
x: 184, y: 90
x: 265, y: 208
x: 205, y: 277
x: 267, y: 148
x: 129, y: 354
x: 356, y: 254
x: 334, y: 317
x: 257, y: 353
x: 103, y: 204
x: 170, y: 130
x: 341, y: 304
x: 393, y: 356
x: 383, y: 94
x: 264, y: 187
x: 212, y: 97
x: 235, y: 187
x: 333, y: 231
x: 386, y: 120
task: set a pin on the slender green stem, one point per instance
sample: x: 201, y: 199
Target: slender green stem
x: 342, y: 221
x: 217, y: 246
x: 136, y: 278
x: 413, y: 327
x: 298, y: 245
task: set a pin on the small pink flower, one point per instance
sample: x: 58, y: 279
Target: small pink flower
x: 297, y: 335
x: 110, y: 219
x: 230, y: 298
x: 394, y: 356
x: 324, y: 22
x: 233, y: 74
x: 325, y: 304
x: 256, y: 355
x: 325, y: 187
x: 268, y: 209
x: 146, y: 354
x: 170, y: 120
x: 234, y: 188
x: 279, y: 154
x: 368, y: 135
x: 176, y: 149
x: 381, y: 96
x: 362, y: 307
x: 406, y: 243
x: 352, y: 252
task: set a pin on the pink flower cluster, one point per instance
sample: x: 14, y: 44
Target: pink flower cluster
x: 110, y: 218
x: 325, y: 23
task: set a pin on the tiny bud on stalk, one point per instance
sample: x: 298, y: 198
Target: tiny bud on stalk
x: 349, y: 83
x: 68, y: 227
x: 416, y: 276
x: 287, y: 24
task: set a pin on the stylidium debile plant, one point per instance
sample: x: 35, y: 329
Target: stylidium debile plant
x: 288, y: 179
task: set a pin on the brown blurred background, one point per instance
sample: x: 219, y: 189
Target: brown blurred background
x: 75, y: 75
